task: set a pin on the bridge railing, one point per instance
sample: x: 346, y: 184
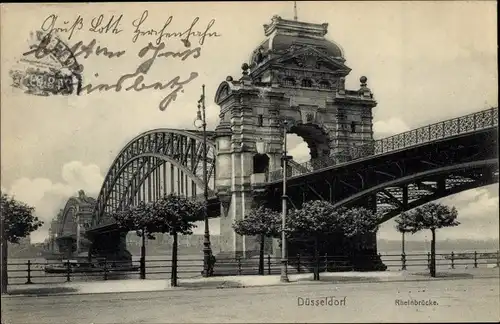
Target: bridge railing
x: 440, y: 130
x: 34, y: 272
x: 455, y: 126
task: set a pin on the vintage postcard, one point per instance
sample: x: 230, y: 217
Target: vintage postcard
x: 281, y: 161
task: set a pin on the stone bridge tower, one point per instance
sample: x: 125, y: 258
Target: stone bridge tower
x: 294, y: 74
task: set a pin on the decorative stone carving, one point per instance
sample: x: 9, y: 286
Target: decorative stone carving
x: 224, y: 92
x: 341, y: 84
x: 225, y: 201
x: 276, y: 18
x: 308, y: 114
x: 261, y: 146
x: 259, y: 56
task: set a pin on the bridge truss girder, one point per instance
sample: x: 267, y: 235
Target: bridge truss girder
x: 139, y: 172
x: 401, y: 180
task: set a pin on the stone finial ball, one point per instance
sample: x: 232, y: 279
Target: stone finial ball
x: 363, y: 79
x: 229, y: 78
x: 244, y: 66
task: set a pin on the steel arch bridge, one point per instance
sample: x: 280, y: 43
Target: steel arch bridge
x: 153, y: 164
x: 394, y: 174
x: 403, y: 171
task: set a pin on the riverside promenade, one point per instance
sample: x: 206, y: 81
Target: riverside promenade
x: 455, y: 295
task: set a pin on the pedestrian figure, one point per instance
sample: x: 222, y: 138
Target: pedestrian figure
x: 211, y: 265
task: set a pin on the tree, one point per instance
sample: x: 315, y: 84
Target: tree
x: 314, y: 220
x: 171, y: 214
x: 18, y: 221
x: 357, y: 221
x: 360, y: 225
x: 175, y: 215
x: 319, y: 220
x: 141, y: 219
x: 260, y: 221
x: 431, y: 216
x: 401, y: 227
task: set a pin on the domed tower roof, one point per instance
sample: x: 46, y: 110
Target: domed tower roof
x: 283, y: 35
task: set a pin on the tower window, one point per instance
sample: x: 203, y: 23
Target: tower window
x: 306, y: 83
x: 261, y: 120
x: 324, y: 85
x: 289, y: 82
x: 260, y: 163
x: 353, y: 127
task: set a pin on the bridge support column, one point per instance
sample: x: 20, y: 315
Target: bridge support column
x: 237, y: 183
x: 369, y: 259
x: 233, y: 208
x: 231, y: 244
x: 112, y: 246
x: 233, y: 182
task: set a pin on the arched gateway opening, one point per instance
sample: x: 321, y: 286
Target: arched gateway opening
x: 316, y: 139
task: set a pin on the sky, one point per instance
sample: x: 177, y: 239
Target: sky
x: 425, y: 62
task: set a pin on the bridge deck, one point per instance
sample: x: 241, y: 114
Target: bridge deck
x: 420, y: 150
x: 441, y: 131
x: 429, y: 171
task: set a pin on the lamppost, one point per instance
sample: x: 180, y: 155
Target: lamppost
x: 200, y: 122
x: 284, y: 198
x: 77, y: 231
x: 403, y: 242
x: 403, y: 253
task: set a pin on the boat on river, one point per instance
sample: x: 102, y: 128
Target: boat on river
x: 84, y: 266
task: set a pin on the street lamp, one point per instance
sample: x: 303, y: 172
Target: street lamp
x: 284, y: 259
x: 403, y: 253
x: 403, y: 243
x: 200, y: 122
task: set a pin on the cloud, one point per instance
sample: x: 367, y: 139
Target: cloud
x: 85, y: 177
x: 48, y: 197
x: 424, y: 63
x: 477, y: 214
x: 300, y: 153
x: 391, y: 126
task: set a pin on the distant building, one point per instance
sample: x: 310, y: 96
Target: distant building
x: 194, y: 240
x: 25, y: 241
x: 70, y: 223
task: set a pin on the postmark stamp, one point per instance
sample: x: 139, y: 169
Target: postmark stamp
x: 49, y: 67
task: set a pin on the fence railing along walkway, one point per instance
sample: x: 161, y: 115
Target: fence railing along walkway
x: 34, y: 272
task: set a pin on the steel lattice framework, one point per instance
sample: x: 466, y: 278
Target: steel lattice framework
x: 445, y: 129
x: 399, y: 178
x: 153, y: 164
x: 429, y: 186
x: 395, y: 173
